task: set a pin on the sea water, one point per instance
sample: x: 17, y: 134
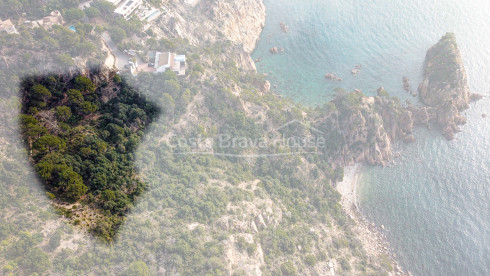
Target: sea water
x: 435, y: 201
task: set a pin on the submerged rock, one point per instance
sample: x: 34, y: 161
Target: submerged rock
x: 475, y: 97
x: 284, y: 27
x: 409, y: 139
x: 332, y: 76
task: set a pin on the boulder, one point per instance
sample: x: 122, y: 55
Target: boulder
x: 266, y: 87
x: 409, y: 139
x: 475, y: 97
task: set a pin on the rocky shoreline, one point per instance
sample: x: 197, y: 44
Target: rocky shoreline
x: 364, y: 129
x: 371, y: 236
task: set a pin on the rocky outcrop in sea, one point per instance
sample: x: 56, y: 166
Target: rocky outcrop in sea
x: 445, y: 85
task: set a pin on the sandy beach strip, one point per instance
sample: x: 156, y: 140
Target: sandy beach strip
x: 371, y: 236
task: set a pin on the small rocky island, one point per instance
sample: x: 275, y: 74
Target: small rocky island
x: 445, y: 85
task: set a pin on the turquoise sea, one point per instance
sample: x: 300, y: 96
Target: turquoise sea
x: 435, y: 202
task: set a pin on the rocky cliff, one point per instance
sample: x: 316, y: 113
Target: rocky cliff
x: 210, y: 22
x: 445, y: 85
x: 359, y: 128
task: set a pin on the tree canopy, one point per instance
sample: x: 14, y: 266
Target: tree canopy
x: 84, y: 149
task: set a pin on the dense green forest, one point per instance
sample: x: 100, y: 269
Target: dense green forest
x: 81, y: 140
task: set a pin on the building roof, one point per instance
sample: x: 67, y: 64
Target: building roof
x: 7, y: 26
x: 54, y: 18
x: 180, y: 58
x: 115, y: 2
x: 176, y: 67
x: 167, y: 60
x: 172, y: 60
x: 126, y: 8
x: 163, y: 60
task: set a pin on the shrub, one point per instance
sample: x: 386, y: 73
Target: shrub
x: 310, y: 260
x: 138, y: 268
x: 92, y: 12
x: 55, y: 240
x: 344, y: 264
x: 288, y: 269
x: 63, y: 113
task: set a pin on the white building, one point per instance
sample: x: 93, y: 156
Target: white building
x: 7, y: 26
x: 54, y: 18
x: 47, y: 22
x: 115, y: 2
x: 164, y: 61
x: 133, y: 68
x: 127, y: 8
x: 192, y: 3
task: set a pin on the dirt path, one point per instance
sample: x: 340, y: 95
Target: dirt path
x: 110, y: 60
x: 121, y: 59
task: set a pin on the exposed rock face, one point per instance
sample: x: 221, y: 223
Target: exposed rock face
x: 363, y: 129
x: 209, y: 22
x: 422, y: 115
x: 240, y: 21
x: 266, y: 87
x: 445, y: 86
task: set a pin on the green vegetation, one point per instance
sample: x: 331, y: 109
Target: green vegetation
x: 73, y: 14
x: 81, y: 146
x: 288, y: 269
x: 180, y: 190
x: 25, y: 253
x: 81, y: 134
x: 15, y: 8
x: 138, y: 268
x: 443, y: 59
